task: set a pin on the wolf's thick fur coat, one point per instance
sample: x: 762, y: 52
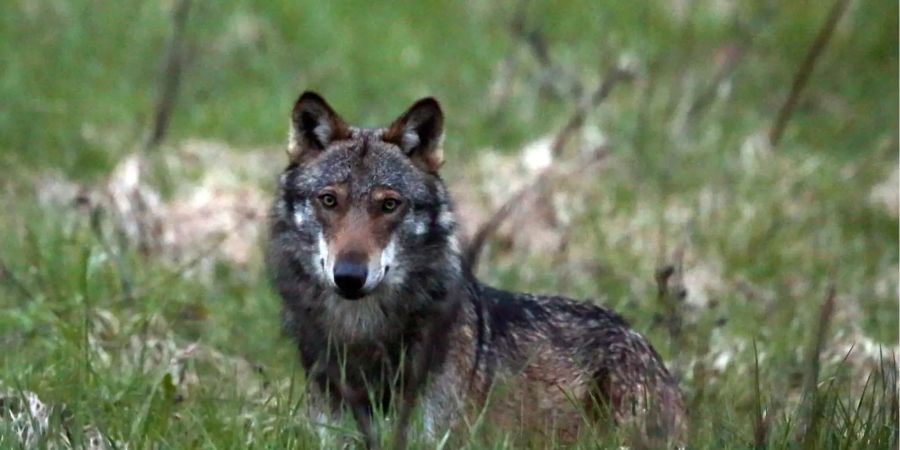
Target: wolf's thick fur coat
x: 419, y: 328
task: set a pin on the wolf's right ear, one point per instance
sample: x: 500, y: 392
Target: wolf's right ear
x: 314, y: 125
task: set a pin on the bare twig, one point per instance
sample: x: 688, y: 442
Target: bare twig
x: 733, y: 57
x: 173, y: 66
x: 575, y: 122
x: 490, y: 226
x: 178, y: 272
x: 805, y: 70
x: 811, y: 403
x: 554, y: 78
x: 761, y: 419
x: 96, y: 218
x: 671, y: 293
x: 493, y: 223
x: 8, y: 277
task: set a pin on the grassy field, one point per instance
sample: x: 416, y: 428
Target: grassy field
x: 156, y: 328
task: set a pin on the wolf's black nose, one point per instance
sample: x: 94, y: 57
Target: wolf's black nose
x: 350, y: 277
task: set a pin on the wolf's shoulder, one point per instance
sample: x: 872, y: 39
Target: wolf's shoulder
x: 526, y: 310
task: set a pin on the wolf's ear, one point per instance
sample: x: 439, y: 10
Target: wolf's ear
x: 419, y: 132
x: 314, y: 125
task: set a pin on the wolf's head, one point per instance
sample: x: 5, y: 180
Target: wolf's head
x: 362, y: 214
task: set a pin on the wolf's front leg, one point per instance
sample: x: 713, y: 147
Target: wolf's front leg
x: 440, y: 402
x: 327, y: 417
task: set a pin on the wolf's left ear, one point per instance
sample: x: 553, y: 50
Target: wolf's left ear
x: 314, y: 125
x: 419, y: 132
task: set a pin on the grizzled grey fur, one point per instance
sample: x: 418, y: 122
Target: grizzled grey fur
x: 385, y: 312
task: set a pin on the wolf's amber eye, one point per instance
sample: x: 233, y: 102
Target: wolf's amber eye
x: 328, y: 200
x: 390, y: 205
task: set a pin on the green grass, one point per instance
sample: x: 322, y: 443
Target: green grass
x: 102, y: 331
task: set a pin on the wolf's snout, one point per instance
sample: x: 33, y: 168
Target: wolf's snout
x: 350, y: 278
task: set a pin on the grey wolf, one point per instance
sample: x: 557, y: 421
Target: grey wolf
x: 386, y: 313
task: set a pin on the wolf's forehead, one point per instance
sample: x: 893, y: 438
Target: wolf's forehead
x: 363, y: 166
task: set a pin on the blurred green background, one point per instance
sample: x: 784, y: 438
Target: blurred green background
x: 151, y: 332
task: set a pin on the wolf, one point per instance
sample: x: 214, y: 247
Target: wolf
x: 387, y: 315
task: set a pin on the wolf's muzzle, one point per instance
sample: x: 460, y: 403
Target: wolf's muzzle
x: 350, y: 278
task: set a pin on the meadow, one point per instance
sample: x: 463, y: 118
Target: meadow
x: 135, y: 307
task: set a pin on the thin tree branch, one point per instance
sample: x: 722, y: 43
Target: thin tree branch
x: 811, y: 403
x: 8, y: 277
x: 761, y: 420
x: 554, y: 78
x: 173, y: 67
x: 96, y: 218
x: 733, y: 58
x: 178, y: 271
x: 670, y: 292
x: 575, y: 122
x: 805, y: 70
x: 487, y: 229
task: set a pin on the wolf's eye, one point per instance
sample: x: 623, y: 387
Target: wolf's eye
x: 390, y: 205
x: 328, y: 200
